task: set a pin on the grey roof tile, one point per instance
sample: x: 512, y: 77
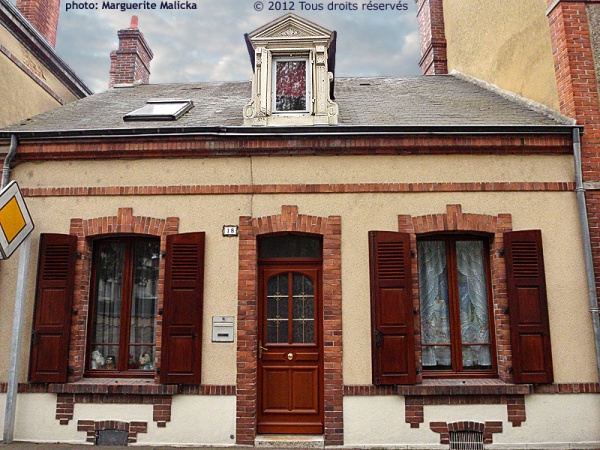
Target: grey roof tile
x: 441, y: 100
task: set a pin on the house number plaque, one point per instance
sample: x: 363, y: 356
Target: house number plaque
x: 230, y: 230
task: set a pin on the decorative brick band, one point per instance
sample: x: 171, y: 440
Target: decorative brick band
x: 201, y: 146
x: 269, y: 189
x: 247, y: 340
x: 85, y: 229
x: 472, y: 389
x: 65, y: 405
x: 92, y: 428
x: 488, y: 429
x: 109, y: 387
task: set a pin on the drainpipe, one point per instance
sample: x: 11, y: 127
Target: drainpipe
x: 587, y: 244
x: 9, y: 157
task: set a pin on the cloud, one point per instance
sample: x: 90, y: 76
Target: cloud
x: 207, y: 44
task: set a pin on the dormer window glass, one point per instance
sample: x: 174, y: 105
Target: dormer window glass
x: 291, y: 82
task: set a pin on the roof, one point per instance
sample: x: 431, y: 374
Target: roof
x: 419, y: 101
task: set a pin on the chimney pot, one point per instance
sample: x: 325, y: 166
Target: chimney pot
x: 134, y: 22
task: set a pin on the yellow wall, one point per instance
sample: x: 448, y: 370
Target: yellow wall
x: 505, y: 43
x: 555, y: 213
x: 21, y: 96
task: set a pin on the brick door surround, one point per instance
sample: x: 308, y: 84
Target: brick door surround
x: 247, y: 340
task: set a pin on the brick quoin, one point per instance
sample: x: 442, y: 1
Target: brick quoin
x: 247, y: 340
x: 577, y: 85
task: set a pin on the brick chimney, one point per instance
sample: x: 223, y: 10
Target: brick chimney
x: 432, y: 36
x: 131, y: 62
x: 43, y: 15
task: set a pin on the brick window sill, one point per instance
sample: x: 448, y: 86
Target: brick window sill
x: 432, y: 387
x: 134, y: 386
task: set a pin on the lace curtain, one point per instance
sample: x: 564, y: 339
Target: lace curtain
x: 436, y: 333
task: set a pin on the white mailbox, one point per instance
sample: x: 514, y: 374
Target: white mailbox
x: 222, y: 330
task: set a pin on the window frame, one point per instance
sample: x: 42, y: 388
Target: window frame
x: 308, y: 73
x: 125, y: 318
x: 458, y: 370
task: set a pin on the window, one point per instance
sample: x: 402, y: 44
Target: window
x: 291, y: 83
x: 161, y: 109
x: 455, y: 306
x: 454, y: 288
x: 122, y: 317
x: 124, y: 303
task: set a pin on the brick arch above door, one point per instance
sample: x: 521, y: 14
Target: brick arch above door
x: 247, y: 340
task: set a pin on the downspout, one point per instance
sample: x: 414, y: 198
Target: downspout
x: 587, y: 244
x: 9, y: 157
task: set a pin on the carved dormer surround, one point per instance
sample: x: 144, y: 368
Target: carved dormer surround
x: 291, y: 38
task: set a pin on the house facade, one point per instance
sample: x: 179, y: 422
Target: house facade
x: 383, y: 262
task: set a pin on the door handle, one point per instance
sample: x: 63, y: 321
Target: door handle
x: 261, y: 349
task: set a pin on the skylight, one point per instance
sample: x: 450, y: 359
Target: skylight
x: 161, y: 109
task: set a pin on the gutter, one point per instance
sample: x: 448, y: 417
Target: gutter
x: 308, y: 131
x: 587, y: 245
x: 8, y: 160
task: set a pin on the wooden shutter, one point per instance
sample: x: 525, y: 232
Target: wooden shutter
x: 53, y: 308
x: 182, y: 318
x: 392, y: 316
x: 528, y: 307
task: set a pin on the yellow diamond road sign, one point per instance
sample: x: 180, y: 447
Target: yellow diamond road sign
x: 15, y: 221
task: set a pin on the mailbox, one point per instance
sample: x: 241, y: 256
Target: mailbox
x: 222, y: 330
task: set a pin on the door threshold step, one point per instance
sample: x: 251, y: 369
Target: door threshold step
x: 289, y: 441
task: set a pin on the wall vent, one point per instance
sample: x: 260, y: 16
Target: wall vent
x: 466, y: 440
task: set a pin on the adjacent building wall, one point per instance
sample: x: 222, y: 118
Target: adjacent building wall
x: 504, y: 43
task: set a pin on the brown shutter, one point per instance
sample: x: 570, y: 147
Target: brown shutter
x: 182, y: 318
x: 53, y: 307
x: 528, y: 307
x: 392, y: 316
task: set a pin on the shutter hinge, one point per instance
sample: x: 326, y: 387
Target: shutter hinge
x: 501, y: 252
x: 413, y: 253
x: 510, y: 369
x: 378, y: 338
x: 418, y: 370
x: 33, y: 337
x: 377, y: 380
x: 505, y: 310
x: 158, y: 369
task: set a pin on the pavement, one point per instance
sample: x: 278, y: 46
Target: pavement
x: 49, y: 446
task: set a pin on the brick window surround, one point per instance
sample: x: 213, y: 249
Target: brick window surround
x: 247, y: 340
x: 86, y: 231
x: 492, y: 226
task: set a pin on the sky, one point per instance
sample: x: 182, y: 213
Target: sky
x: 207, y: 44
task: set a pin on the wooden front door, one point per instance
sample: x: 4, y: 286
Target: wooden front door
x: 290, y: 365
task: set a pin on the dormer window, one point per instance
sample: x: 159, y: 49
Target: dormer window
x: 291, y: 82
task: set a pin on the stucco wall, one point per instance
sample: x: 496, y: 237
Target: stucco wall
x: 554, y: 213
x: 503, y: 43
x: 553, y: 421
x: 21, y: 96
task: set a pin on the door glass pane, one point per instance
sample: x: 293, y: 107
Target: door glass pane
x: 107, y: 306
x: 142, y: 327
x: 304, y: 310
x: 289, y: 246
x: 277, y: 309
x: 290, y: 87
x: 435, y: 313
x: 472, y: 290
